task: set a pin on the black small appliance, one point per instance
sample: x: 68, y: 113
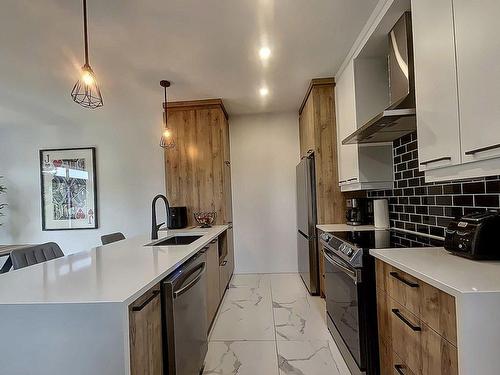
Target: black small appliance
x: 474, y: 236
x: 177, y: 218
x: 359, y: 211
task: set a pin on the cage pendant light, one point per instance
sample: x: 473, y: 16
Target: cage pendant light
x: 86, y: 91
x: 167, y: 138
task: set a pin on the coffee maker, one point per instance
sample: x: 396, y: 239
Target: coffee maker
x: 359, y: 211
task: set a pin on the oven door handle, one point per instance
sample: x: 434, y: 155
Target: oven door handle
x: 352, y: 274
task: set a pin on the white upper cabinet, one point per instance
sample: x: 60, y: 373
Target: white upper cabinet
x: 346, y: 124
x: 436, y: 84
x: 360, y: 167
x: 478, y: 66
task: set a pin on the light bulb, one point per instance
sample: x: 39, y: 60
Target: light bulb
x: 264, y: 91
x: 264, y: 53
x: 167, y: 133
x: 88, y: 78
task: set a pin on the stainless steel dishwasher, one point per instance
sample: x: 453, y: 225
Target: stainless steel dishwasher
x: 185, y: 318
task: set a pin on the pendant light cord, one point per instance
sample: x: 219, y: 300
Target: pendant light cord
x: 85, y: 32
x: 165, y: 107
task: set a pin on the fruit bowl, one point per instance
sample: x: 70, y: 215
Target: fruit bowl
x: 205, y: 219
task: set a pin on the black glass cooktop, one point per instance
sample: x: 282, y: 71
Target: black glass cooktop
x: 383, y: 239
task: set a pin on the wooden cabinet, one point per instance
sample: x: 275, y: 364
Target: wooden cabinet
x: 436, y: 84
x: 360, y: 167
x: 390, y: 362
x: 146, y: 354
x: 213, y: 285
x: 226, y: 267
x: 477, y: 53
x: 317, y: 129
x: 417, y: 325
x: 198, y: 169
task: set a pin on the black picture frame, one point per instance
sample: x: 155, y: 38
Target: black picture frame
x: 92, y: 151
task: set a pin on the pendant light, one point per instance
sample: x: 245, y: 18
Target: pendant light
x: 167, y: 138
x: 86, y: 91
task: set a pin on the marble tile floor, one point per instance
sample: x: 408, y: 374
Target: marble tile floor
x: 269, y: 325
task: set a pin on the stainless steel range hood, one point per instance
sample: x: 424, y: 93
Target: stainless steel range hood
x: 400, y: 117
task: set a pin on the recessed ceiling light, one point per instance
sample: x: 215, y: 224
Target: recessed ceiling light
x: 264, y: 53
x: 264, y: 91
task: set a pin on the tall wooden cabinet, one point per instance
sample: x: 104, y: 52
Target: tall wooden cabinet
x: 198, y: 169
x: 317, y: 130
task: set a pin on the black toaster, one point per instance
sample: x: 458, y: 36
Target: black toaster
x: 474, y: 236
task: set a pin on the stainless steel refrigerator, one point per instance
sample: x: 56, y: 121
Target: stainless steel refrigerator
x: 307, y: 248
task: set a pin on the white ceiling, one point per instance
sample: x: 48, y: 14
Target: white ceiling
x: 207, y: 48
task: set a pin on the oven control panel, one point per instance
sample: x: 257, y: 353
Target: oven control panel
x: 346, y: 251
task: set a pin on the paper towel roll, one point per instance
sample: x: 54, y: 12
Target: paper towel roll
x: 381, y: 213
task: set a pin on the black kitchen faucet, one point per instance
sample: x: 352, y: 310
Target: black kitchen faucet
x: 154, y: 226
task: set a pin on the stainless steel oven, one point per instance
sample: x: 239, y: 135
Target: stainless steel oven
x: 343, y: 288
x: 350, y: 304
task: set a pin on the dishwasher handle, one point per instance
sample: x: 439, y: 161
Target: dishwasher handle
x: 201, y: 270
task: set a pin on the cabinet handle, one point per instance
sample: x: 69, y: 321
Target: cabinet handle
x: 146, y: 302
x: 435, y: 160
x: 227, y: 162
x: 406, y: 321
x: 403, y: 280
x: 342, y: 181
x: 399, y: 369
x: 204, y: 250
x: 223, y: 263
x: 352, y: 179
x: 472, y: 152
x: 213, y: 241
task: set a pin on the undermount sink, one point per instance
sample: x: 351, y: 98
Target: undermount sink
x: 176, y: 240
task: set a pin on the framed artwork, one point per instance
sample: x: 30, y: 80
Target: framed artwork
x: 69, y: 189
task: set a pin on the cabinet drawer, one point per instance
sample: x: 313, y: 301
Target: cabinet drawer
x: 145, y: 330
x: 433, y: 306
x: 390, y: 362
x: 421, y: 348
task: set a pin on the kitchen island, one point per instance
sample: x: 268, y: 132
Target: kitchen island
x: 71, y: 315
x: 424, y: 283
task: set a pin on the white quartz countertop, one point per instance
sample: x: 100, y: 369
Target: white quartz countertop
x: 115, y: 273
x: 344, y: 227
x: 438, y: 267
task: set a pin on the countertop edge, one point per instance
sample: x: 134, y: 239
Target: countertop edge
x: 343, y: 227
x: 381, y: 254
x: 127, y: 301
x: 164, y: 274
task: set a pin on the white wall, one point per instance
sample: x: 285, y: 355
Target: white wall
x: 264, y: 153
x: 38, y: 68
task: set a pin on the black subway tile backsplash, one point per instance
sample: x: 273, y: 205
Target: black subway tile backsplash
x: 436, y: 211
x: 429, y: 207
x: 493, y: 186
x: 486, y: 200
x: 444, y: 200
x: 452, y: 189
x: 463, y: 200
x: 473, y: 187
x: 435, y: 190
x: 424, y: 210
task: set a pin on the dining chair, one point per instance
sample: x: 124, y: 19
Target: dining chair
x: 112, y: 237
x: 30, y: 255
